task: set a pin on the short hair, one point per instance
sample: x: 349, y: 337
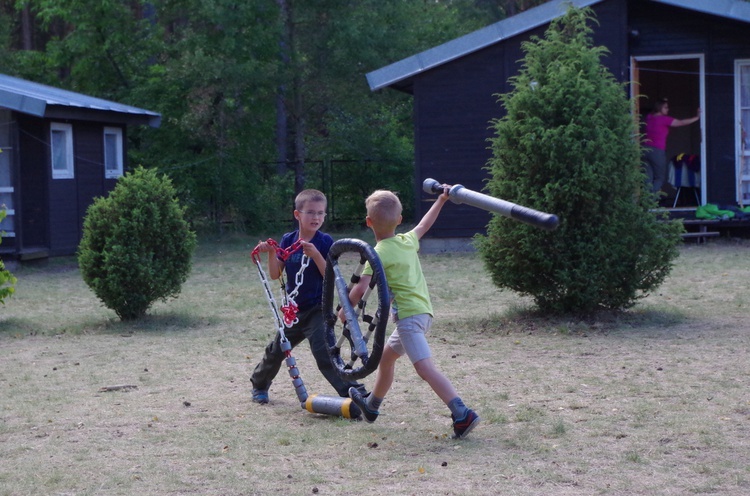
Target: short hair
x: 384, y: 207
x: 308, y: 195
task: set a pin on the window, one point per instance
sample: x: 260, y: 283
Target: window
x: 61, y: 150
x: 742, y: 129
x: 112, y: 152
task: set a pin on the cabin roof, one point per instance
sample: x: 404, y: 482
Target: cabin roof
x: 398, y: 73
x: 41, y: 100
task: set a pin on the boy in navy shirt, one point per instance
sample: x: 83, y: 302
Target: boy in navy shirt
x: 310, y: 212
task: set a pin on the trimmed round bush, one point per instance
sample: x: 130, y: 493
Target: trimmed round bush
x: 569, y: 145
x: 137, y: 246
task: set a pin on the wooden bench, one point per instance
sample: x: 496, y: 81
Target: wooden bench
x: 700, y: 222
x: 702, y: 233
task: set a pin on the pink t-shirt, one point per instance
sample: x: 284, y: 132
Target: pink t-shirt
x: 657, y: 129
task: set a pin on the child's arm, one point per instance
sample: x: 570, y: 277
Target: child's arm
x: 432, y: 214
x: 312, y: 252
x: 275, y: 266
x: 356, y: 293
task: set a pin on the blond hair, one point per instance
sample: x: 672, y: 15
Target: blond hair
x: 308, y: 195
x: 384, y: 208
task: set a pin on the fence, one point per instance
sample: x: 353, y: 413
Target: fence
x: 346, y: 184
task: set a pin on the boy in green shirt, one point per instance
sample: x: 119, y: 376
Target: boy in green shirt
x: 410, y: 306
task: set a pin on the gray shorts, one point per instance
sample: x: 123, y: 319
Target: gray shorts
x: 410, y: 337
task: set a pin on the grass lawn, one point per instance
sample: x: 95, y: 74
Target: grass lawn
x: 653, y: 401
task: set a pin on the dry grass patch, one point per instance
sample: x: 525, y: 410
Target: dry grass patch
x: 653, y: 401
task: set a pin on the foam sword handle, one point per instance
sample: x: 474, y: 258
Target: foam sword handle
x: 459, y: 194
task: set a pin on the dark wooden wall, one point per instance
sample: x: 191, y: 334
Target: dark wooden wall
x: 453, y: 108
x: 70, y: 198
x: 455, y: 103
x: 53, y: 210
x: 63, y: 207
x: 90, y: 168
x: 33, y: 176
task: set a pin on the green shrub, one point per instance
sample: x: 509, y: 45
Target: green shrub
x: 136, y: 247
x: 568, y: 145
x: 7, y: 280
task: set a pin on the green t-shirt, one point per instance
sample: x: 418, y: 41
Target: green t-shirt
x: 408, y: 288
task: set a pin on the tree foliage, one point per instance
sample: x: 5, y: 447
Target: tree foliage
x: 136, y: 247
x: 568, y: 145
x: 234, y: 90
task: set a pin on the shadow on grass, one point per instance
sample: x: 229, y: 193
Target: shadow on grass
x: 529, y: 320
x: 165, y: 322
x: 18, y: 327
x: 162, y: 323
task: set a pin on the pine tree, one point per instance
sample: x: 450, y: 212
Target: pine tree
x: 569, y: 145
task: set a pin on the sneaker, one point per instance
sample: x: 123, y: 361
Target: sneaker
x: 361, y: 402
x: 260, y: 396
x: 344, y: 390
x: 461, y: 428
x: 354, y: 412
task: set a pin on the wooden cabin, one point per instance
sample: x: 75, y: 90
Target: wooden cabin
x: 695, y: 52
x: 58, y: 151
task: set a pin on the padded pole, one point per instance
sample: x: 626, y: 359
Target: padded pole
x: 459, y: 194
x: 332, y: 405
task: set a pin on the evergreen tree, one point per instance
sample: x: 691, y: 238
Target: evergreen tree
x: 569, y: 145
x: 240, y: 100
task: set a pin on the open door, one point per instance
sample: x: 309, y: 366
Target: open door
x: 742, y: 129
x: 680, y: 78
x: 7, y: 187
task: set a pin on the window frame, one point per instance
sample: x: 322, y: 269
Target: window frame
x: 742, y: 120
x: 69, y: 171
x: 117, y: 171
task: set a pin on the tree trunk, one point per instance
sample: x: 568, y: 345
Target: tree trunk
x: 297, y: 113
x: 299, y: 142
x: 27, y: 28
x: 282, y: 131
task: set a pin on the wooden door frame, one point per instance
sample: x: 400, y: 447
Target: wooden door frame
x: 741, y: 152
x: 635, y: 84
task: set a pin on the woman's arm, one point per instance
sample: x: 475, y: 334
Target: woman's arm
x: 686, y: 122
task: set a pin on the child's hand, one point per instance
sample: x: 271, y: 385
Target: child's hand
x: 342, y: 315
x: 264, y: 246
x: 309, y: 249
x: 446, y: 190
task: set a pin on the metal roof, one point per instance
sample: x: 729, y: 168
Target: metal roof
x: 46, y: 101
x: 392, y: 74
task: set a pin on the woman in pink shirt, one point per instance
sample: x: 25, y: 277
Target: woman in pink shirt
x: 658, y: 123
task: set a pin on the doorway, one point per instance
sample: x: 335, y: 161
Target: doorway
x: 680, y: 78
x: 7, y: 188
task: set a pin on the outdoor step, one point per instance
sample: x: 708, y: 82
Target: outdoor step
x: 33, y: 254
x: 707, y: 234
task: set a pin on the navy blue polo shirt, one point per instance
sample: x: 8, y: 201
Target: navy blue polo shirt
x: 311, y: 291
